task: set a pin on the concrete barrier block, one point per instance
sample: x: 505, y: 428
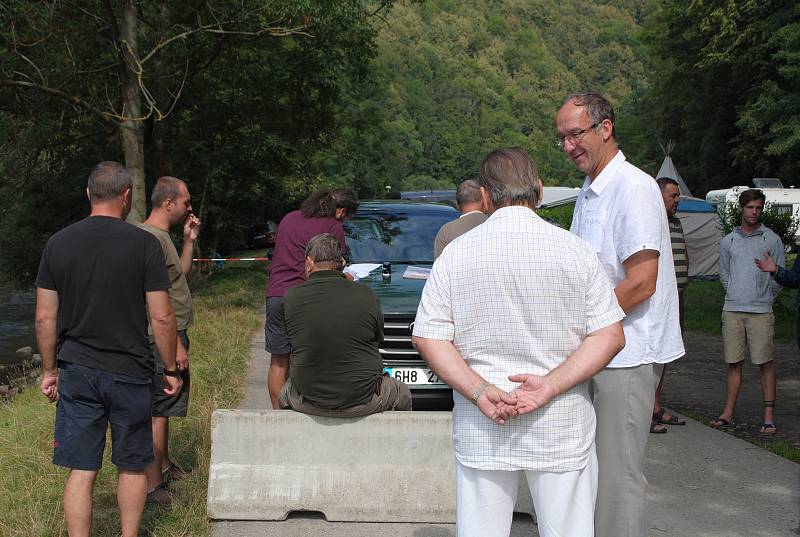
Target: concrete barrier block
x: 389, y: 467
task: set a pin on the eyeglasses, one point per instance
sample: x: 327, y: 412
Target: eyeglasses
x: 575, y: 136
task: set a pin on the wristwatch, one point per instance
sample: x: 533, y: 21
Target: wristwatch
x: 173, y: 373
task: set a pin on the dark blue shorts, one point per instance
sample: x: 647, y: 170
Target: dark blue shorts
x: 90, y: 399
x: 170, y: 405
x: 276, y: 340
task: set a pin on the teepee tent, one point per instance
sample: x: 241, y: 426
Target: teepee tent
x: 668, y: 169
x: 701, y: 225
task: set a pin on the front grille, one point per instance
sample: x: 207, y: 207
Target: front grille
x: 398, y: 352
x: 396, y: 346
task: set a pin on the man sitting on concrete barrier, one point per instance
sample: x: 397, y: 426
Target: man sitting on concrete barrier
x: 518, y: 296
x: 334, y: 327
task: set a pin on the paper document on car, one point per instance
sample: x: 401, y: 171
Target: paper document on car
x: 360, y: 270
x: 417, y: 273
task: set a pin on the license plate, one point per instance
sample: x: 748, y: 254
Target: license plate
x: 413, y: 375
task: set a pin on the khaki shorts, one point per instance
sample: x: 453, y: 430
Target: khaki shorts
x: 748, y: 331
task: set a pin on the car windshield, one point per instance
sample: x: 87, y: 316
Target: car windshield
x: 394, y: 236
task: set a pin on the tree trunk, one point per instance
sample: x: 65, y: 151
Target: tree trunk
x: 202, y: 214
x: 161, y: 157
x: 130, y: 131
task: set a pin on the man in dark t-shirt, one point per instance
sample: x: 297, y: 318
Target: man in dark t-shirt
x: 334, y: 327
x: 322, y: 212
x: 97, y: 279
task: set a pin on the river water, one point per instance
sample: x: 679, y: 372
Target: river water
x: 16, y: 321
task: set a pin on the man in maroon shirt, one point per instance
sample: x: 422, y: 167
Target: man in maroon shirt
x: 322, y: 212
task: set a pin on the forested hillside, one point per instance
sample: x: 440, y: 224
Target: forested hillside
x: 256, y: 103
x: 725, y: 83
x: 454, y: 79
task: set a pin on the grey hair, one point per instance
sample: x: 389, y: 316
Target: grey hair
x: 468, y: 191
x: 510, y: 177
x: 597, y: 107
x: 108, y: 180
x: 166, y: 188
x: 325, y: 248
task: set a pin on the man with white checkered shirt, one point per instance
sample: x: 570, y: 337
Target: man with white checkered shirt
x: 516, y: 316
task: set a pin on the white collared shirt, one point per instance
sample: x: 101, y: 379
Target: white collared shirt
x: 621, y: 213
x: 519, y: 295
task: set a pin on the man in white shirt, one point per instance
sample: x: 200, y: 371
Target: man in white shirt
x: 470, y: 204
x: 519, y: 305
x: 620, y: 212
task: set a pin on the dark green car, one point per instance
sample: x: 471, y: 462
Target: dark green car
x: 399, y: 235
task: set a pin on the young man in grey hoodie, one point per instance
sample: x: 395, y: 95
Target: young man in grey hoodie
x: 747, y: 318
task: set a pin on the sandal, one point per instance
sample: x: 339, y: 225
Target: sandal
x: 173, y: 472
x: 159, y: 495
x: 657, y: 428
x: 722, y: 423
x: 658, y: 417
x: 768, y: 429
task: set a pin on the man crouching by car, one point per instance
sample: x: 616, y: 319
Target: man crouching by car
x: 334, y: 327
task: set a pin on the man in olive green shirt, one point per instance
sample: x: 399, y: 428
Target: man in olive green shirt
x: 334, y: 327
x: 172, y: 205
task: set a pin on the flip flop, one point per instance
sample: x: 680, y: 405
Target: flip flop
x: 657, y: 428
x: 722, y: 423
x: 765, y: 429
x: 658, y: 417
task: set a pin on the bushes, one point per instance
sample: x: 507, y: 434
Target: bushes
x: 784, y: 224
x: 561, y: 215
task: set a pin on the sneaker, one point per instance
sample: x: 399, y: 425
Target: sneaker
x: 159, y: 495
x: 174, y: 472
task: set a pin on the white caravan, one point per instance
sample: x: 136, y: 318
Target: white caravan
x: 785, y: 200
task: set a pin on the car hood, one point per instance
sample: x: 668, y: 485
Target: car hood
x: 398, y: 296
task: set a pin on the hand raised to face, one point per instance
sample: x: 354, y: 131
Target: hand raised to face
x: 191, y: 227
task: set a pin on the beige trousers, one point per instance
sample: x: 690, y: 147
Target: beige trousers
x: 623, y: 402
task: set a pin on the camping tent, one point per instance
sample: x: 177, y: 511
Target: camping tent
x: 668, y: 169
x: 701, y: 225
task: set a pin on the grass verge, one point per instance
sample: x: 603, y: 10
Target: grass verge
x: 703, y: 309
x: 227, y: 311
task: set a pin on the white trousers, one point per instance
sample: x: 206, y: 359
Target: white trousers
x: 564, y: 501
